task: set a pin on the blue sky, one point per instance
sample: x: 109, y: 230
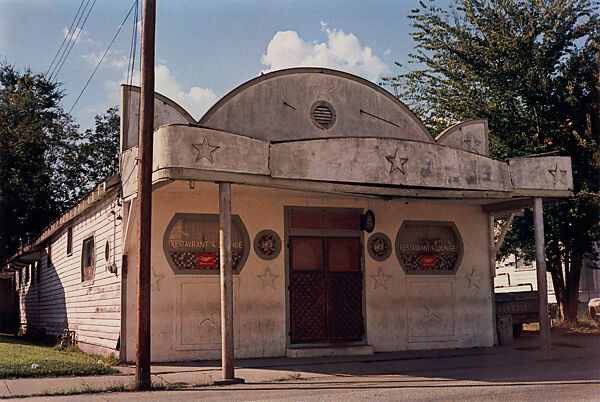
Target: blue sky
x: 204, y: 49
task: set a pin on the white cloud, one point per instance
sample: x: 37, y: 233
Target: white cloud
x: 77, y: 35
x: 111, y: 59
x: 341, y: 51
x: 196, y: 101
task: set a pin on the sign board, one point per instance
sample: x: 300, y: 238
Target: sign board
x: 429, y: 247
x: 191, y: 243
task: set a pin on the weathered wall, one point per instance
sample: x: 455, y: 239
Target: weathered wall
x: 256, y: 108
x: 402, y: 312
x: 60, y: 300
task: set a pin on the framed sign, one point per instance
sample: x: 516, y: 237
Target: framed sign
x: 267, y: 244
x: 429, y: 247
x: 379, y: 246
x: 191, y: 244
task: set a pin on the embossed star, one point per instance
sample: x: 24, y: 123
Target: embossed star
x: 397, y: 162
x: 472, y: 144
x: 471, y: 279
x: 381, y: 279
x: 155, y: 279
x: 210, y: 318
x: 428, y: 315
x: 267, y: 279
x: 205, y: 150
x: 558, y: 175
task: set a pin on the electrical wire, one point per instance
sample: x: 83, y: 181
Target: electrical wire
x: 132, y: 50
x: 73, y: 41
x: 69, y: 40
x: 103, y: 56
x: 65, y: 38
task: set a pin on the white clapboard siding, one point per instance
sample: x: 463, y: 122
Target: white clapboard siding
x: 61, y: 300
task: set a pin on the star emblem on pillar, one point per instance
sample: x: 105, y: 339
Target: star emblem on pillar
x: 205, y: 150
x: 381, y: 279
x: 471, y: 279
x: 472, y: 144
x: 267, y: 278
x: 558, y: 175
x: 397, y: 162
x: 156, y: 278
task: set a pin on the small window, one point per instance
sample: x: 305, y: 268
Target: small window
x: 27, y: 268
x: 70, y: 240
x: 38, y: 272
x: 107, y: 251
x: 87, y: 259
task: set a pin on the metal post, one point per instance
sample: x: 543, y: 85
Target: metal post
x: 226, y: 281
x: 540, y: 259
x: 144, y: 215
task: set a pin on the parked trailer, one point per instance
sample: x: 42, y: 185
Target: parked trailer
x: 521, y: 306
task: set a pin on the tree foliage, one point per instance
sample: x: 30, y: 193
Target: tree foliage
x: 531, y: 69
x: 46, y: 164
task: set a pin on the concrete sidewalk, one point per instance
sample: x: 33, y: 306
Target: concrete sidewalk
x: 488, y: 362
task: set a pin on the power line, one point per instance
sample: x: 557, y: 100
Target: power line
x: 131, y: 66
x: 66, y: 36
x: 69, y: 38
x: 103, y: 56
x: 74, y: 40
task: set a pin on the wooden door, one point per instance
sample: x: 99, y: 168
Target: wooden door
x: 325, y: 285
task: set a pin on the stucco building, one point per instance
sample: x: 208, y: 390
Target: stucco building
x: 354, y: 229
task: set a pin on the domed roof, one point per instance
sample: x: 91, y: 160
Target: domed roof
x: 310, y: 103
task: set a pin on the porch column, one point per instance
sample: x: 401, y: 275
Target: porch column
x: 492, y: 267
x: 540, y: 259
x: 226, y: 280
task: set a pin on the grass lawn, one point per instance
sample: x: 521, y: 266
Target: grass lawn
x: 18, y: 355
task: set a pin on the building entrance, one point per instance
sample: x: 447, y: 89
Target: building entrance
x: 325, y: 276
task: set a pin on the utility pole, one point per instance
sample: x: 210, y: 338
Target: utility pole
x: 144, y: 215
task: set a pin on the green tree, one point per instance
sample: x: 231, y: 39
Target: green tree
x: 531, y: 69
x: 46, y: 164
x: 33, y: 127
x: 92, y: 159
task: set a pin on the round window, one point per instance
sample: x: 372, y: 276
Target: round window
x: 323, y: 114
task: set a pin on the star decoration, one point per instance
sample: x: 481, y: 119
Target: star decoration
x: 470, y: 278
x: 558, y: 175
x: 205, y: 150
x: 397, y: 162
x: 381, y: 279
x: 267, y: 278
x: 155, y: 279
x: 210, y: 319
x: 429, y: 315
x: 472, y: 144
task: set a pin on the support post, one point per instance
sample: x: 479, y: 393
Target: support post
x: 540, y: 258
x: 227, y: 357
x: 492, y: 267
x: 144, y: 215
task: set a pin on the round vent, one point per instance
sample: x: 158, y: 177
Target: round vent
x: 323, y: 113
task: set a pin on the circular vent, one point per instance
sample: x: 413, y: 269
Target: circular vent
x: 323, y: 113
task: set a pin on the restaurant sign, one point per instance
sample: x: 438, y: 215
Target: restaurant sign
x: 191, y: 243
x: 429, y: 247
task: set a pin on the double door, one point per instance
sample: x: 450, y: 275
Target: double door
x: 325, y: 285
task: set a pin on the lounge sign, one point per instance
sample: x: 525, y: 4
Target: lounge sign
x: 429, y: 247
x: 191, y: 243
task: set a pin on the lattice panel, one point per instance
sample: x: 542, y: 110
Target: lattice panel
x: 345, y: 321
x: 307, y: 307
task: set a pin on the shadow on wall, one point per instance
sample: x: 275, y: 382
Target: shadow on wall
x: 45, y: 310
